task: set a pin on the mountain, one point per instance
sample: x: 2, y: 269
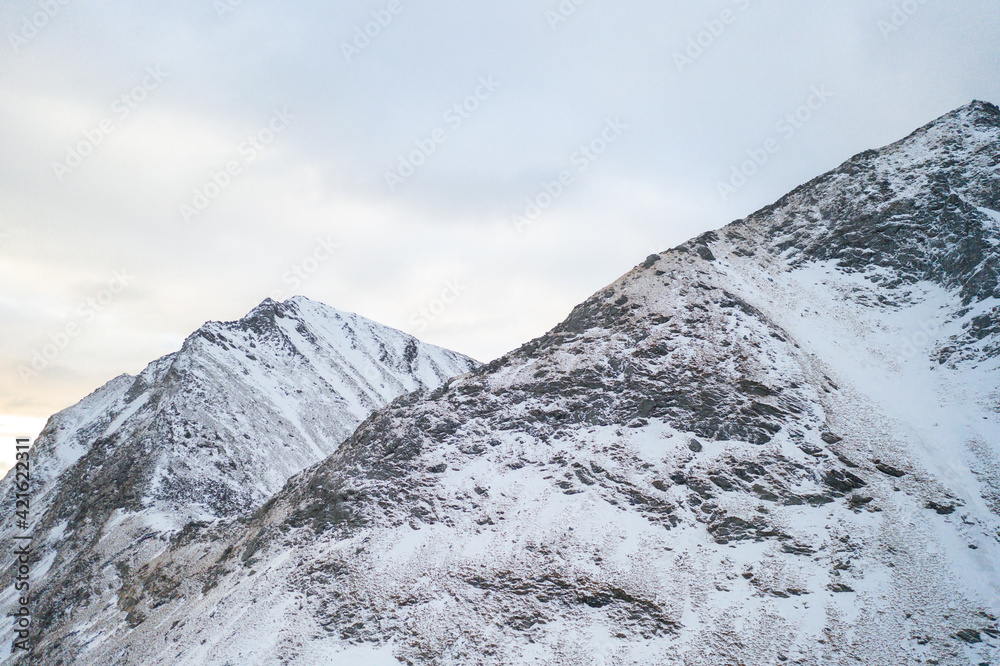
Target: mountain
x: 774, y: 444
x: 207, y: 433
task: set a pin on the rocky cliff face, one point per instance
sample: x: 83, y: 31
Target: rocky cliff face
x: 204, y: 434
x: 776, y: 443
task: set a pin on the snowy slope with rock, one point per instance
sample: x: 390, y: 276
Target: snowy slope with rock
x: 778, y: 443
x: 207, y: 433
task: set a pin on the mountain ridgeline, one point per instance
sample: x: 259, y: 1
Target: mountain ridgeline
x: 202, y: 435
x: 778, y: 443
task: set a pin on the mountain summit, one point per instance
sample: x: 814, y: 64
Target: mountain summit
x: 775, y: 443
x: 207, y: 433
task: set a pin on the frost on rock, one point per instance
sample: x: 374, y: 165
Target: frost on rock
x: 776, y: 443
x: 205, y: 434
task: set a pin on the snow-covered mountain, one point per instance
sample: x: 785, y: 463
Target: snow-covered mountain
x: 778, y: 443
x: 207, y: 433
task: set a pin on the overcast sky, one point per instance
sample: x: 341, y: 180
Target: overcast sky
x: 165, y: 164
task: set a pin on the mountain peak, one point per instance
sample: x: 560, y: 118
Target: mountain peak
x: 968, y: 127
x: 979, y: 109
x: 757, y: 444
x: 264, y: 318
x: 211, y: 431
x: 295, y: 307
x: 924, y: 208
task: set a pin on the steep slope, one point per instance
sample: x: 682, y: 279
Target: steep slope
x: 206, y: 433
x: 777, y: 443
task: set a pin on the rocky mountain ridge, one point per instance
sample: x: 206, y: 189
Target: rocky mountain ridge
x: 204, y: 434
x: 774, y: 444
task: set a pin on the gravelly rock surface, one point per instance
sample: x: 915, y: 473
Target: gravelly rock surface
x: 776, y: 443
x: 204, y: 434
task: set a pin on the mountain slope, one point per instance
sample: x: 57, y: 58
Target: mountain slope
x: 206, y: 433
x: 776, y: 443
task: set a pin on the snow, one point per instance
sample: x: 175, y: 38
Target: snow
x: 318, y: 654
x: 41, y: 568
x: 244, y: 404
x: 604, y: 539
x: 933, y: 408
x: 992, y: 214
